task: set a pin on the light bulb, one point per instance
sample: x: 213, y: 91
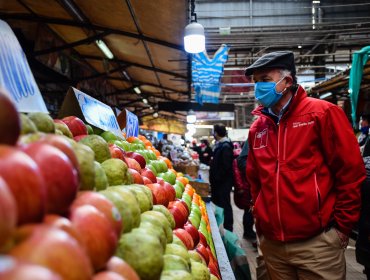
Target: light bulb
x: 194, y: 40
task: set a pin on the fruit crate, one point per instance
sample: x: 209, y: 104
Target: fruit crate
x: 202, y: 188
x: 191, y: 170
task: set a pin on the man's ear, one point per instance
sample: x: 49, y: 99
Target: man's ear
x: 289, y: 81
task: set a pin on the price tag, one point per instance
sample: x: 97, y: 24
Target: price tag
x: 15, y: 74
x: 132, y: 124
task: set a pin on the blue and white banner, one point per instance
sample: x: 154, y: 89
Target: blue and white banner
x: 206, y: 75
x: 132, y: 124
x: 15, y: 74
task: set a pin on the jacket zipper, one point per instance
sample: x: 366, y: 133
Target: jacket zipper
x: 277, y: 187
x: 318, y: 194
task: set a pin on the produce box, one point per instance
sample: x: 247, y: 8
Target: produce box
x: 202, y: 188
x: 191, y: 170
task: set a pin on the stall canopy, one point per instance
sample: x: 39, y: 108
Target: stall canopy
x: 66, y: 42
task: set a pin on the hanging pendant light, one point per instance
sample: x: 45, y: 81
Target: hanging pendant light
x: 194, y: 39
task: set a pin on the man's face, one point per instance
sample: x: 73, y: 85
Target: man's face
x: 364, y: 123
x: 272, y: 75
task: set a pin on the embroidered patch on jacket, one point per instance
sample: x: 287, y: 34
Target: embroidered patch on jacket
x: 260, y: 139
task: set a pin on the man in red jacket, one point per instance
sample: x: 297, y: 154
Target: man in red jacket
x: 305, y: 171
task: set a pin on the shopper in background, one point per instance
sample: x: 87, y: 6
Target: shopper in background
x: 363, y: 238
x: 364, y: 132
x: 221, y: 174
x: 205, y: 152
x: 305, y: 170
x: 248, y: 232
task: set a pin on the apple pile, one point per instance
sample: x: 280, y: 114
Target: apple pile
x: 80, y: 203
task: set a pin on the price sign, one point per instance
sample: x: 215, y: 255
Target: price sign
x: 132, y: 124
x: 15, y: 74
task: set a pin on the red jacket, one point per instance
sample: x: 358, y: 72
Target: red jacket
x: 305, y: 172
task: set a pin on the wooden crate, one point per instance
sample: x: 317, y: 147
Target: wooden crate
x: 191, y: 170
x: 203, y: 189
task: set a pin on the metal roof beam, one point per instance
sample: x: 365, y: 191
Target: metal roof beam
x: 186, y: 106
x: 68, y: 22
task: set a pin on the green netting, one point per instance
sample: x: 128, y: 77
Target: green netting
x: 237, y: 256
x: 359, y: 60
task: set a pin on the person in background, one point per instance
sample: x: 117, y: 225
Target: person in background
x: 205, y: 152
x: 305, y: 171
x: 221, y: 174
x: 364, y: 132
x: 248, y: 232
x: 363, y: 238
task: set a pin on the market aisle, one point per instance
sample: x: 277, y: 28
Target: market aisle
x: 354, y: 270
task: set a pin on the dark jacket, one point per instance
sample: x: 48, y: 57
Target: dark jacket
x: 221, y: 173
x: 363, y: 238
x: 205, y: 155
x: 305, y: 172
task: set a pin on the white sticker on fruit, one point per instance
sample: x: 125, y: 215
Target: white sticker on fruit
x: 15, y: 74
x: 97, y: 113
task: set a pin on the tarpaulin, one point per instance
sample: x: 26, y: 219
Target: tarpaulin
x: 359, y: 60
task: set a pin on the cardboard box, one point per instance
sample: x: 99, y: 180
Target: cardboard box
x: 191, y: 170
x: 203, y: 189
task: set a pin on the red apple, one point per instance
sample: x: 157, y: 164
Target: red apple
x: 8, y: 213
x: 131, y: 163
x: 75, y: 125
x: 58, y: 222
x: 170, y: 191
x: 139, y: 158
x: 136, y: 176
x: 107, y: 275
x: 116, y: 152
x: 146, y: 180
x: 119, y: 266
x: 53, y: 248
x: 24, y: 179
x: 159, y: 194
x: 185, y: 237
x: 12, y: 269
x: 62, y: 144
x: 101, y: 203
x: 181, y: 205
x: 59, y: 175
x: 149, y: 174
x: 160, y: 180
x: 202, y: 239
x: 202, y: 250
x: 10, y: 124
x: 179, y: 217
x: 213, y: 268
x: 78, y: 138
x: 193, y: 232
x: 97, y: 233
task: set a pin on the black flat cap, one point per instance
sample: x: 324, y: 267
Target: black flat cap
x: 279, y: 59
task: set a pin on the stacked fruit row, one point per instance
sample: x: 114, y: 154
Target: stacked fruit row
x: 80, y: 203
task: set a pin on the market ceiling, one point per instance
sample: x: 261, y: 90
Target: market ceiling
x: 145, y: 38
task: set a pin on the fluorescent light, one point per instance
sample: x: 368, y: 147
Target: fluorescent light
x: 325, y: 95
x: 137, y: 90
x: 126, y: 75
x: 191, y: 117
x: 299, y: 47
x: 104, y: 48
x: 145, y: 100
x: 150, y: 108
x: 155, y: 114
x: 194, y: 40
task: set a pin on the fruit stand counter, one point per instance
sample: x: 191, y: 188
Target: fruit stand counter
x: 223, y: 260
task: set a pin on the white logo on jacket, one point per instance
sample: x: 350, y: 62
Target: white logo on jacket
x: 260, y: 139
x: 299, y: 124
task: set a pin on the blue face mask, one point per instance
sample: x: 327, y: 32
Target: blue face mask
x: 266, y: 94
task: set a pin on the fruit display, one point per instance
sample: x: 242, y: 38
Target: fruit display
x: 80, y: 203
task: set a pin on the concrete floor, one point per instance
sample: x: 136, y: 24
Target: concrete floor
x: 354, y: 270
